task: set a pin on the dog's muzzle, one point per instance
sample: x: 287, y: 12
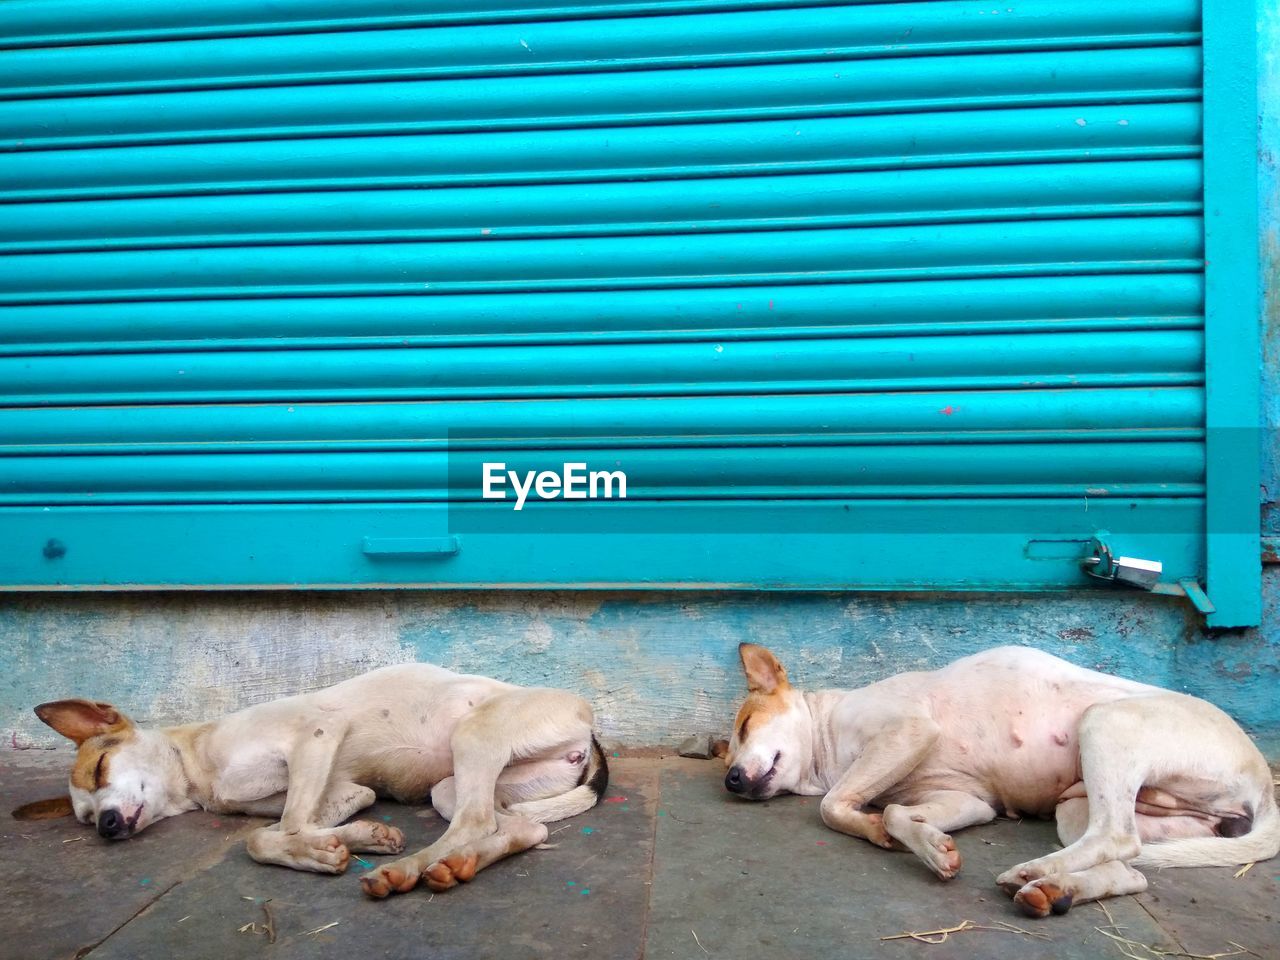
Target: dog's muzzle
x: 736, y: 781
x: 112, y: 825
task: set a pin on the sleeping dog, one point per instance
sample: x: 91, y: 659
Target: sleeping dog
x: 497, y: 760
x: 1135, y: 775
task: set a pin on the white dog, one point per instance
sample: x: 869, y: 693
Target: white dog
x: 497, y: 760
x: 1135, y: 775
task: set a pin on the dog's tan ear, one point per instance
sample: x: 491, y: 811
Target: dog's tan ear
x: 50, y: 809
x: 764, y: 673
x: 78, y: 720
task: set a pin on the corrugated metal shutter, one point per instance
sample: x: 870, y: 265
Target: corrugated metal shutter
x: 902, y: 295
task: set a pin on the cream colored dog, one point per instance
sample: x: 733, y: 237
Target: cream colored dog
x: 497, y: 760
x: 1135, y: 775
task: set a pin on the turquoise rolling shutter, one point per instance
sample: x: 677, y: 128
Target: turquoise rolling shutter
x: 866, y: 295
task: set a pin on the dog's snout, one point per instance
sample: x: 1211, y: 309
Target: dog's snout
x: 111, y: 824
x: 733, y: 781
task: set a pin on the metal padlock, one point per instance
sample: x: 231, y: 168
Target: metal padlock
x: 1134, y: 571
x: 1139, y: 573
x: 1102, y: 564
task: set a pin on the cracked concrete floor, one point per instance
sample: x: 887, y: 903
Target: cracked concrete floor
x: 668, y: 866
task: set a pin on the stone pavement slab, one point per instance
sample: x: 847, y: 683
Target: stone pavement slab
x: 670, y: 865
x: 64, y: 889
x: 1207, y: 909
x: 769, y: 879
x: 185, y: 887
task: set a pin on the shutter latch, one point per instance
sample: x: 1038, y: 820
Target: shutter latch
x: 1103, y: 564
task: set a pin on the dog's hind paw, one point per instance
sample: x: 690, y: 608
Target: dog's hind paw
x: 393, y: 878
x: 449, y: 871
x: 1042, y: 897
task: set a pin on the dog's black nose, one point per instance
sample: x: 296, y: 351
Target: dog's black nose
x: 111, y: 824
x: 733, y: 781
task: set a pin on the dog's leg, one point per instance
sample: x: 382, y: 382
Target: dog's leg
x: 369, y: 836
x: 525, y: 724
x: 444, y: 798
x: 300, y: 839
x: 1072, y: 819
x: 320, y: 851
x: 514, y: 835
x: 521, y: 782
x: 341, y: 801
x: 923, y: 827
x: 1118, y: 745
x: 359, y: 836
x: 895, y: 751
x: 1057, y: 893
x: 310, y: 767
x: 327, y: 834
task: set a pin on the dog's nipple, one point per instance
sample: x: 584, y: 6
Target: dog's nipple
x: 576, y: 757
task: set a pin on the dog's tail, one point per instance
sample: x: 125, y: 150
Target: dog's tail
x: 595, y: 779
x: 1262, y: 842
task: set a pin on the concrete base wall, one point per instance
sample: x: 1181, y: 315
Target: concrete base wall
x: 656, y: 666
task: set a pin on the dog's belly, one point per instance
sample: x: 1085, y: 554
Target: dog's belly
x: 1023, y: 783
x: 407, y: 774
x: 1023, y: 757
x: 1010, y: 725
x: 400, y: 746
x: 1013, y: 739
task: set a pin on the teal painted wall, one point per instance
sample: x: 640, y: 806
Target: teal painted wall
x: 1269, y: 231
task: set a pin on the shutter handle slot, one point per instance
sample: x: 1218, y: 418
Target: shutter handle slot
x: 409, y: 548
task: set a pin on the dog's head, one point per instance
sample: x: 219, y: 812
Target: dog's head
x: 771, y: 747
x: 123, y: 779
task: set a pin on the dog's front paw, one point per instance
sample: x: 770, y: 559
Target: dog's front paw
x: 452, y: 870
x: 874, y: 830
x: 942, y: 856
x: 1042, y: 897
x: 320, y: 854
x: 369, y: 836
x: 1015, y: 878
x: 399, y: 877
x: 387, y: 839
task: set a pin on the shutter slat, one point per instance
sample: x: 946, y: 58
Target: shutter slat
x: 1009, y: 305
x: 813, y: 365
x: 568, y: 46
x: 34, y: 22
x: 1123, y: 75
x: 1051, y: 191
x: 877, y: 418
x: 1016, y: 248
x: 653, y: 151
x: 1154, y: 468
